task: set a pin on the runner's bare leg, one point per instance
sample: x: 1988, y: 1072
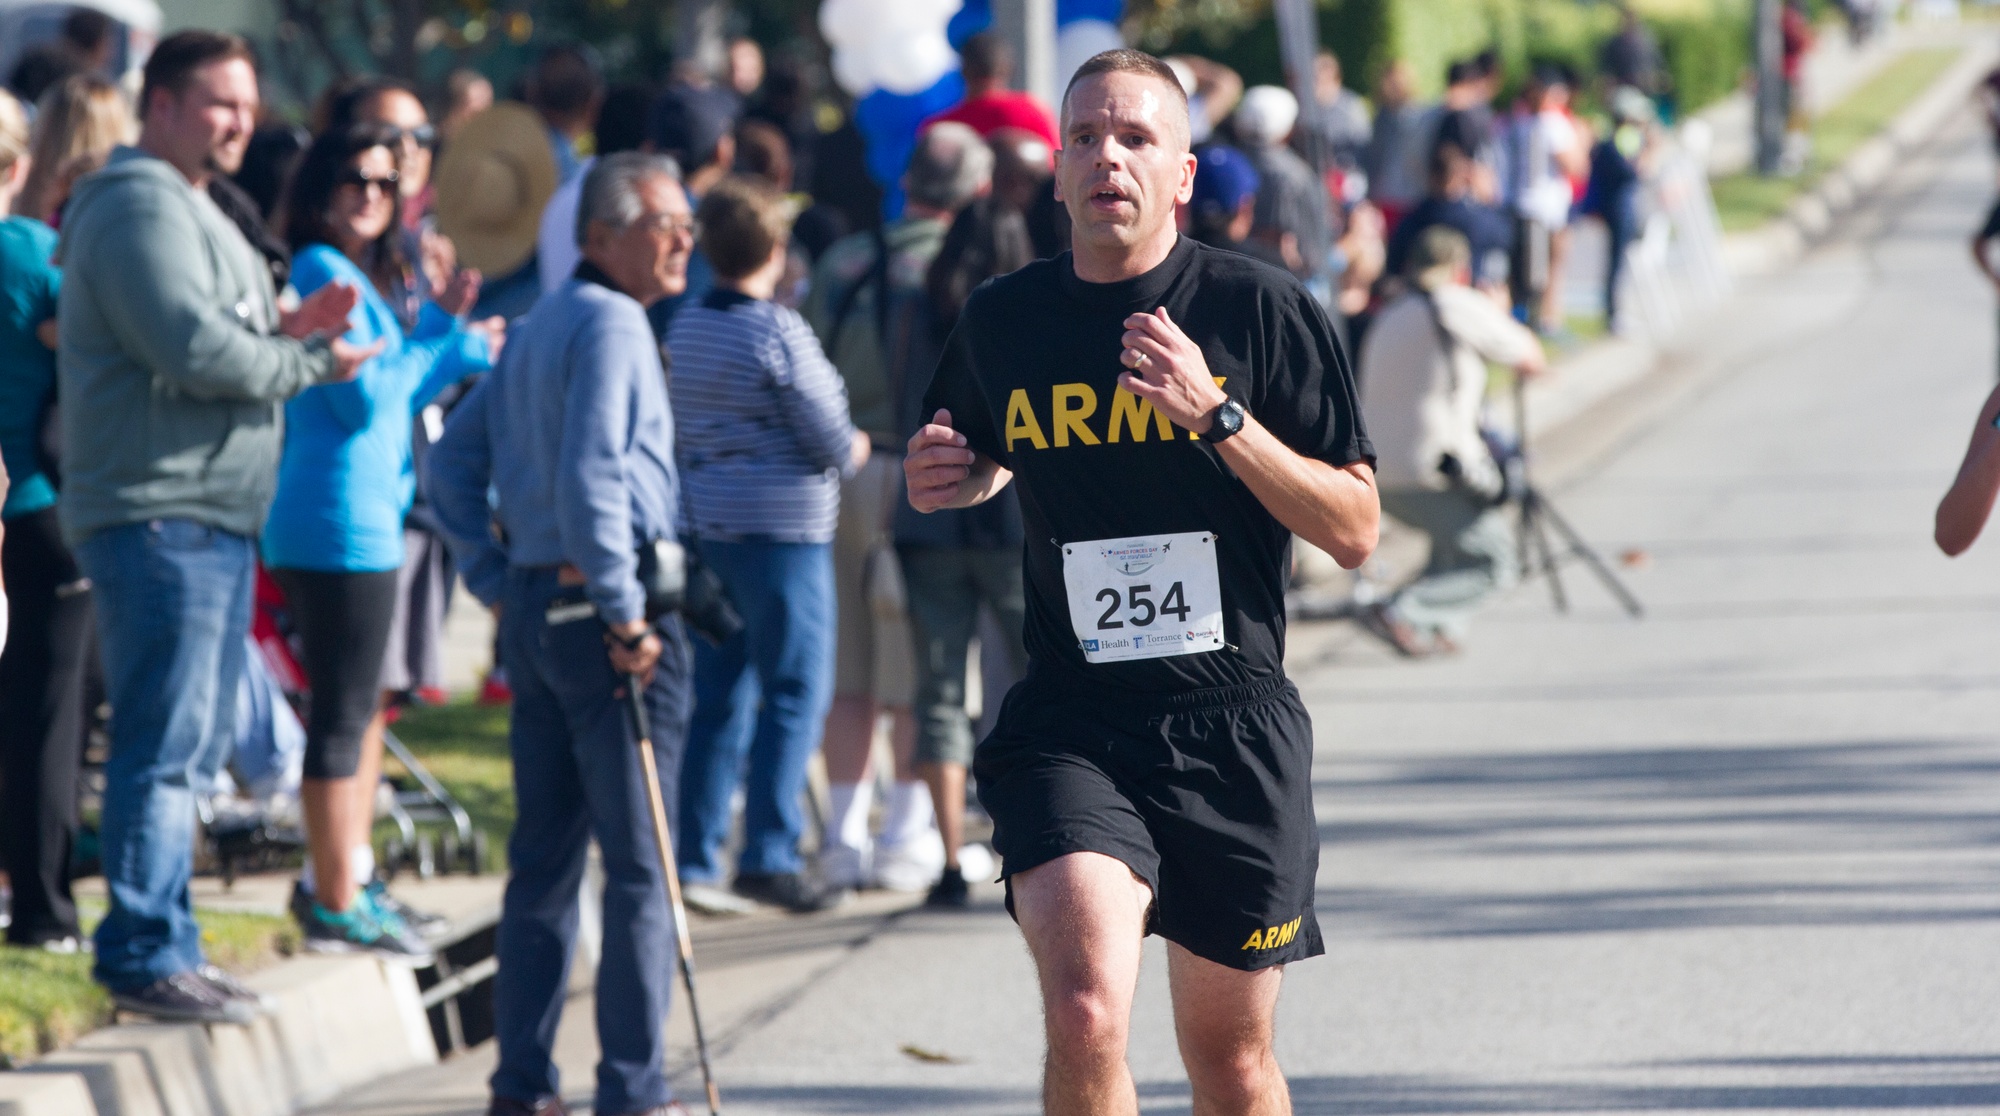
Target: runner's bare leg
x: 1224, y: 1019
x: 1084, y: 918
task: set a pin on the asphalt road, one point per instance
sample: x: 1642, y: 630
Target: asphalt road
x: 1737, y: 856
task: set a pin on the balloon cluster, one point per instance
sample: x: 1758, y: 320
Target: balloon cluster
x: 896, y: 45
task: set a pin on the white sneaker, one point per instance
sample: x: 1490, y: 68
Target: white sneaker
x: 912, y: 865
x: 844, y: 867
x: 717, y: 901
x: 977, y: 863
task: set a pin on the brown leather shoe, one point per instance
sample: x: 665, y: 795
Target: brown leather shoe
x: 508, y: 1106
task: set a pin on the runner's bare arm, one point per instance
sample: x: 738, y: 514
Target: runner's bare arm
x: 1963, y: 511
x: 1333, y: 507
x: 941, y: 471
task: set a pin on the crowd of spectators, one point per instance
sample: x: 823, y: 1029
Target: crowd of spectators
x: 260, y: 332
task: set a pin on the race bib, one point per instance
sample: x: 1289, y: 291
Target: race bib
x: 1145, y: 597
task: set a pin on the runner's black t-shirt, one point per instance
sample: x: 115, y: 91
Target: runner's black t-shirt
x: 1030, y: 377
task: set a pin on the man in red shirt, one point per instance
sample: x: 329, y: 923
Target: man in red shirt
x: 988, y: 64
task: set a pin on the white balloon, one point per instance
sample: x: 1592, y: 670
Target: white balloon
x: 1081, y: 41
x: 898, y: 45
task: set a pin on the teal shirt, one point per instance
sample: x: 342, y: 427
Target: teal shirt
x: 28, y: 287
x: 346, y: 479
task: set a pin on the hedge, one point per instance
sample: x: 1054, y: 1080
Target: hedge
x: 1706, y: 43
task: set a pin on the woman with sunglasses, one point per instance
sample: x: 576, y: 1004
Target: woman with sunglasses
x: 334, y: 540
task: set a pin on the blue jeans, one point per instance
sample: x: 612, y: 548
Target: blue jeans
x: 577, y: 776
x: 173, y: 604
x: 763, y: 697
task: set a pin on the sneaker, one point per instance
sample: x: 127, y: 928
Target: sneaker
x: 951, y: 891
x: 495, y: 691
x: 911, y: 865
x: 429, y: 925
x: 233, y: 989
x: 719, y: 902
x: 6, y: 907
x: 361, y: 928
x: 793, y: 891
x: 184, y: 997
x: 67, y: 943
x: 301, y: 903
x: 508, y: 1106
x: 844, y: 866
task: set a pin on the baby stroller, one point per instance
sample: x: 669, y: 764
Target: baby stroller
x: 433, y: 831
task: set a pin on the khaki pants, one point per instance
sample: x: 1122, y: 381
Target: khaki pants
x: 875, y: 656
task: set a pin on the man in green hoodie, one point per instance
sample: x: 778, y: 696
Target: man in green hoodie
x: 173, y: 363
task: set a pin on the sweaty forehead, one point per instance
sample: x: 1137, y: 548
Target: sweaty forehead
x: 1121, y: 99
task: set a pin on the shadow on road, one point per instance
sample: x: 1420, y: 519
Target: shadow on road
x: 1825, y: 809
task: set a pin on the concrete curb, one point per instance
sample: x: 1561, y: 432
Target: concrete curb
x: 340, y: 1022
x: 1812, y: 214
x: 1599, y: 371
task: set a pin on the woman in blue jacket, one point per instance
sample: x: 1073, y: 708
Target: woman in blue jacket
x: 334, y: 539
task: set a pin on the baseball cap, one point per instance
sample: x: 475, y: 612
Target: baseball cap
x: 1223, y: 177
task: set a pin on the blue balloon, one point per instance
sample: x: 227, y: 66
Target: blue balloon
x: 1069, y: 11
x: 888, y: 121
x: 974, y: 17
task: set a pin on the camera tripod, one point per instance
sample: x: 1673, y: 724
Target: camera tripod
x: 1538, y: 516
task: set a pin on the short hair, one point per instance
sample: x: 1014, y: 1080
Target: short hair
x: 173, y: 63
x: 567, y: 80
x: 1438, y: 249
x: 1128, y: 61
x: 762, y: 151
x: 985, y: 55
x: 87, y: 29
x: 610, y: 192
x: 343, y: 102
x: 743, y: 220
x: 621, y: 118
x: 949, y: 167
x: 1447, y: 155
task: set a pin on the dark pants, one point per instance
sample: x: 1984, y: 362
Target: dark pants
x: 41, y: 723
x: 577, y: 777
x: 1621, y: 225
x: 173, y: 601
x: 343, y: 618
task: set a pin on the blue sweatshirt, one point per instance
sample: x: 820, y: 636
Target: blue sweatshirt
x: 345, y: 478
x: 573, y: 437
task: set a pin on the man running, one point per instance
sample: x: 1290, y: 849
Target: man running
x: 1173, y: 414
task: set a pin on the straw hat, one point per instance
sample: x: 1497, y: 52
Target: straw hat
x: 492, y: 181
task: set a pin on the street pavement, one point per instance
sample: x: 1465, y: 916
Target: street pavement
x: 1738, y: 855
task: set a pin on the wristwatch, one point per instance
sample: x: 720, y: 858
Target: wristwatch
x: 1224, y: 421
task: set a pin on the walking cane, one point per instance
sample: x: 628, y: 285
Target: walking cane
x: 635, y: 693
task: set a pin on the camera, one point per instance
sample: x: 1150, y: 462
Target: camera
x: 675, y: 581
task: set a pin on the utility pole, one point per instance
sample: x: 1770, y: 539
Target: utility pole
x: 1768, y: 120
x: 698, y: 35
x: 1029, y: 26
x: 1298, y: 48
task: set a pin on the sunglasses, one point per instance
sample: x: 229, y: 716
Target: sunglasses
x: 354, y: 177
x: 423, y: 135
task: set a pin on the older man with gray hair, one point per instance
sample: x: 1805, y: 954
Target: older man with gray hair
x: 573, y: 433
x: 864, y: 293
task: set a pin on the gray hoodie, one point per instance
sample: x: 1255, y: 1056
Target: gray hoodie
x: 170, y: 377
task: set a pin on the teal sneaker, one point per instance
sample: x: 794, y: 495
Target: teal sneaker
x: 361, y: 928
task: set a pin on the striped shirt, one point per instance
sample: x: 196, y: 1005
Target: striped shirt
x: 761, y: 424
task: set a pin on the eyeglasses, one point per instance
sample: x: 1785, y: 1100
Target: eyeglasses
x: 355, y: 178
x: 667, y: 224
x: 423, y: 135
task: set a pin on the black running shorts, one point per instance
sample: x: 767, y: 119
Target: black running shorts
x: 1206, y: 796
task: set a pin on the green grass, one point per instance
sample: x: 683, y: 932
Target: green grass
x: 1748, y: 199
x: 464, y: 744
x: 48, y: 999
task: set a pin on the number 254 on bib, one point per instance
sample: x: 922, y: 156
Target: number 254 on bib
x: 1144, y: 597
